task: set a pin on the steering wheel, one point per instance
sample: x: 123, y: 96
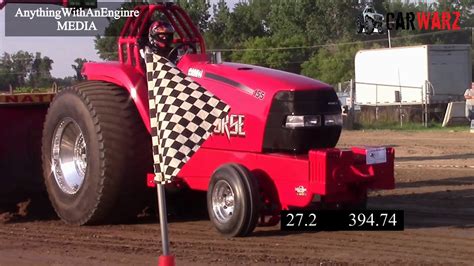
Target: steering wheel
x: 179, y: 46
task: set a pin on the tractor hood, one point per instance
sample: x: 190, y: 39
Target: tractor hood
x: 266, y: 78
x: 251, y: 78
x: 260, y: 99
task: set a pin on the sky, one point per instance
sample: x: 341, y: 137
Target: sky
x: 62, y: 50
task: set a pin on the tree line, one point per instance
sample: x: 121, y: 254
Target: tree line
x: 33, y: 71
x: 316, y: 38
x: 24, y: 69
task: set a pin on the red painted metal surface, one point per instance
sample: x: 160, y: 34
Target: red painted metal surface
x: 166, y: 260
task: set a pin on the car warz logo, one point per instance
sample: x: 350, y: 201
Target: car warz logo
x: 370, y: 21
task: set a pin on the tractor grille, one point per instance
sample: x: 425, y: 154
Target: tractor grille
x: 278, y: 138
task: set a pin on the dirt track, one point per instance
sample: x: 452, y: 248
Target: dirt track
x: 435, y: 187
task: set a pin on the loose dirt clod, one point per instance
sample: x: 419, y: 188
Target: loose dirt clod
x: 22, y: 212
x: 6, y: 217
x: 23, y: 208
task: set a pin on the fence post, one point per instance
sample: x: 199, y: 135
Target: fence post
x: 423, y: 105
x: 376, y: 102
x: 426, y: 103
x: 352, y: 102
x: 400, y: 107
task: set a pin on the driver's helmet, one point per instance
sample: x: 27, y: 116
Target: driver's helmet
x: 160, y: 35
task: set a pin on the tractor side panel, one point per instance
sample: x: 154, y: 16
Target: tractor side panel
x: 278, y: 175
x: 294, y: 180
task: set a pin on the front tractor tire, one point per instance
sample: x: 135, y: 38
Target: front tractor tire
x: 233, y: 200
x: 95, y: 152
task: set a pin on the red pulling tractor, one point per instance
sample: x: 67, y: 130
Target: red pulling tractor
x: 274, y: 152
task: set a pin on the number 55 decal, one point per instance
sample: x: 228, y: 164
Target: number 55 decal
x: 259, y: 94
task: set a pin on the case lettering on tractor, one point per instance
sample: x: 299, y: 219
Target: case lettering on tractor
x: 231, y: 125
x: 194, y: 72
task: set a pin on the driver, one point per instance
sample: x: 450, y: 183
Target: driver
x: 160, y: 39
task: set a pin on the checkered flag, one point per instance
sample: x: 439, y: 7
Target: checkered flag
x: 182, y: 116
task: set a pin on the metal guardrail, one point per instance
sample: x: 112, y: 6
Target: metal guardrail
x: 387, y: 85
x: 426, y: 92
x: 398, y: 94
x: 424, y: 96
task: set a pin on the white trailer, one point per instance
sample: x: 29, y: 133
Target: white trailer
x: 412, y: 75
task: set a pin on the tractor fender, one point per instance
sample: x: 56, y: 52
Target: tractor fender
x: 125, y: 76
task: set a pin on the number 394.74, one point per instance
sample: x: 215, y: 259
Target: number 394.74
x: 366, y: 220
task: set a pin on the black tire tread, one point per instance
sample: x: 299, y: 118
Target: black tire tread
x: 253, y: 198
x: 125, y: 151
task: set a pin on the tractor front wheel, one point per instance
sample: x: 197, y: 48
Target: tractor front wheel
x: 95, y: 152
x: 233, y: 200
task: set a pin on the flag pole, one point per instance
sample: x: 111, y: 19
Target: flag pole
x: 166, y: 259
x: 156, y: 63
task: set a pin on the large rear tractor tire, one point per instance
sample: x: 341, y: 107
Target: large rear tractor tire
x: 96, y: 152
x: 233, y: 200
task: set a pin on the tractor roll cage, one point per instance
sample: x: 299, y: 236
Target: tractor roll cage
x: 136, y: 27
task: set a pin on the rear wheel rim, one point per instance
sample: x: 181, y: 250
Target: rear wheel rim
x: 223, y: 201
x: 69, y: 156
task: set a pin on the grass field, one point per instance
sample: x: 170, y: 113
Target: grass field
x: 410, y: 127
